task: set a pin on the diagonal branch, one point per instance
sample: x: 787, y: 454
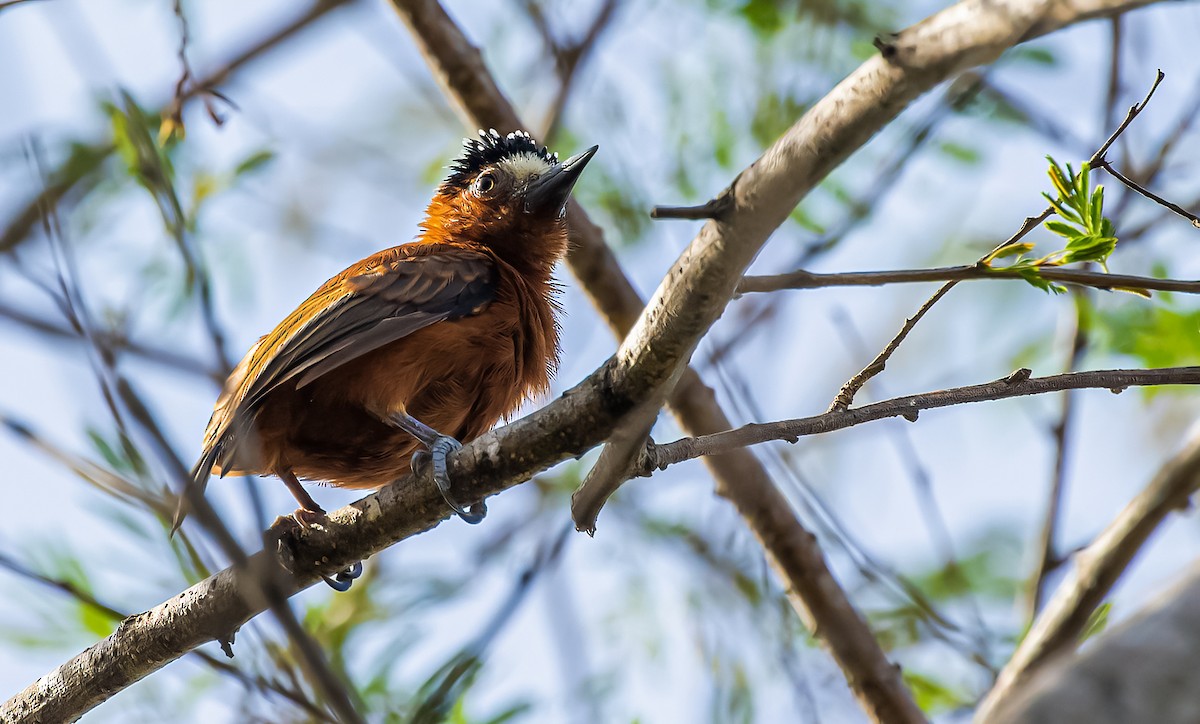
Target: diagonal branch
x: 1097, y: 569
x: 247, y: 679
x: 1145, y: 670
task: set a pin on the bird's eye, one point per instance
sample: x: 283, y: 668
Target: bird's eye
x: 485, y: 183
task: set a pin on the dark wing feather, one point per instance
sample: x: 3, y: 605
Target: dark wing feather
x: 371, y: 304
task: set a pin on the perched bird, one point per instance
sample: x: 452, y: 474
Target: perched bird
x: 418, y: 346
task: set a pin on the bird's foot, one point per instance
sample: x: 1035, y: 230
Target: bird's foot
x: 342, y: 580
x: 435, y: 457
x: 439, y: 446
x: 309, y: 518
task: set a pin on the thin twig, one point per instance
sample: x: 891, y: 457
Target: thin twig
x: 845, y: 396
x: 802, y: 279
x: 24, y: 221
x: 711, y: 209
x: 1018, y: 384
x: 1148, y: 175
x: 10, y: 3
x: 114, y: 340
x: 1104, y: 164
x: 1133, y: 112
x: 569, y: 58
x: 173, y: 114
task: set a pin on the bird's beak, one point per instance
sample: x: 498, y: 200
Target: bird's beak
x: 550, y: 191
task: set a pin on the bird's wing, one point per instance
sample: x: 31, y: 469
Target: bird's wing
x: 373, y: 303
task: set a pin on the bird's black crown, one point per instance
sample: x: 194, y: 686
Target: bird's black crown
x: 490, y: 148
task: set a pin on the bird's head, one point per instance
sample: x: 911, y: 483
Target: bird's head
x: 509, y: 194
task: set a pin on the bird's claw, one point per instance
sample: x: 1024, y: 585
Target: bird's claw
x: 343, y: 579
x: 310, y: 518
x: 439, y: 449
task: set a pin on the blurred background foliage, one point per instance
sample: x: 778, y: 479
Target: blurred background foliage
x: 184, y: 236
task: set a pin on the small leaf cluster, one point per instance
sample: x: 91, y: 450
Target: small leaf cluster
x: 1080, y: 210
x: 1090, y: 236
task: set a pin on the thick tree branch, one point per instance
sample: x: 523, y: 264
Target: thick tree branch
x: 1096, y: 570
x: 249, y: 680
x: 1145, y: 670
x: 689, y: 300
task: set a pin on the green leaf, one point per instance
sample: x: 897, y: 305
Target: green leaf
x: 1097, y: 218
x: 254, y: 162
x: 1097, y: 622
x: 1065, y: 230
x: 1036, y: 56
x: 765, y: 17
x: 1156, y: 335
x: 1031, y: 275
x: 95, y: 621
x: 959, y: 152
x: 1089, y: 248
x: 1061, y: 210
x: 1106, y: 228
x: 932, y: 696
x: 1021, y: 247
x: 1059, y: 179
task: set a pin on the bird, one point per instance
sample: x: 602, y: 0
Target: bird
x: 395, y: 362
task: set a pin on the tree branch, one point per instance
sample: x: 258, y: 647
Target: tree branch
x: 85, y: 598
x: 1104, y: 164
x: 1145, y: 670
x: 1097, y: 569
x: 801, y: 279
x: 568, y: 58
x: 1018, y: 384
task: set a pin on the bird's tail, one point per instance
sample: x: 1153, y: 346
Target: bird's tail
x: 195, y: 486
